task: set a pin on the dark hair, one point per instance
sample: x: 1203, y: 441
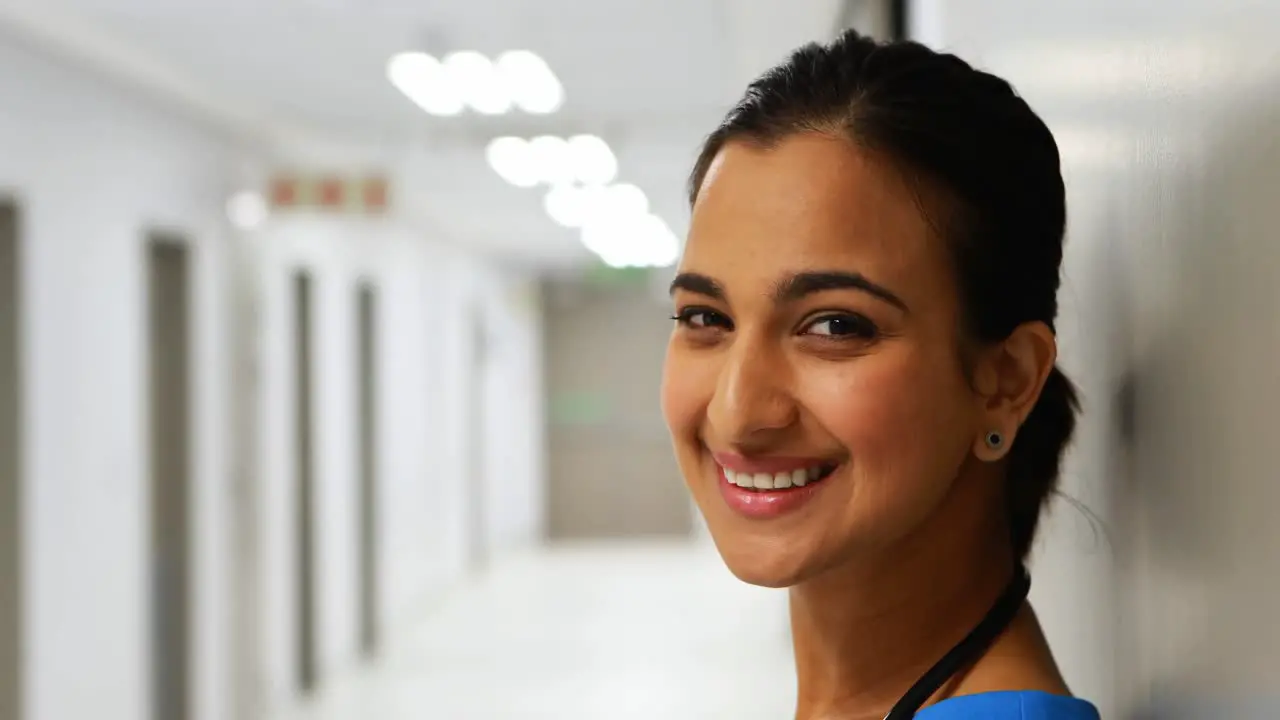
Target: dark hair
x: 967, y: 134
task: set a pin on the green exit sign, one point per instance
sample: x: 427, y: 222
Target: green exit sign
x: 601, y: 274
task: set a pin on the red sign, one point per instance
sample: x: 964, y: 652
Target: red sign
x: 284, y: 192
x: 334, y: 193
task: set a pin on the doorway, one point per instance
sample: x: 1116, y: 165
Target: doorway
x: 367, y: 431
x: 304, y: 484
x: 10, y: 464
x: 168, y: 298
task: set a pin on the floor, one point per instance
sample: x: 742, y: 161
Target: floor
x: 618, y: 631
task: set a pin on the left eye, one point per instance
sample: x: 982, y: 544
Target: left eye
x: 842, y: 326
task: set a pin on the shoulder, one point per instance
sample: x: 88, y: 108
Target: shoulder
x: 1011, y: 705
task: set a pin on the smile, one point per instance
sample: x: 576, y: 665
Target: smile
x: 765, y: 481
x: 765, y: 488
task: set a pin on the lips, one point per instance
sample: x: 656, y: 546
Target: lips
x: 762, y: 488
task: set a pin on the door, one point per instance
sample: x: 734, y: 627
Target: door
x: 367, y: 389
x: 304, y: 486
x: 10, y: 465
x: 170, y: 483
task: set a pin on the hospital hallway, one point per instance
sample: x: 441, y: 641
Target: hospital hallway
x: 333, y: 336
x: 629, y: 630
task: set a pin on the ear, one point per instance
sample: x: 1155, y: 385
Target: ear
x: 1009, y: 378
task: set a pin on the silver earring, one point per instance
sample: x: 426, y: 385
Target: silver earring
x: 995, y: 440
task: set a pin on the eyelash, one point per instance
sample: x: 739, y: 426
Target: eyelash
x: 863, y: 328
x: 685, y: 317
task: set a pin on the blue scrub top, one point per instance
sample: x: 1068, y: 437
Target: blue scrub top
x: 1010, y: 705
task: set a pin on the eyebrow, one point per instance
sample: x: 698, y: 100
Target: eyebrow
x: 807, y: 283
x: 795, y: 287
x: 699, y: 284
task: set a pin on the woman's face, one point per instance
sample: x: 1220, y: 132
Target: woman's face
x: 815, y: 360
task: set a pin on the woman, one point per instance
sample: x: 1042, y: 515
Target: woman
x: 861, y: 384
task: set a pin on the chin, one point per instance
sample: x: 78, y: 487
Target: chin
x: 765, y: 562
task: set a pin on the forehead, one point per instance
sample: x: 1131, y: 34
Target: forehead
x: 811, y: 201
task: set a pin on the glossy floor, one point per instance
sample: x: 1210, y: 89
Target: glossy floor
x: 584, y: 633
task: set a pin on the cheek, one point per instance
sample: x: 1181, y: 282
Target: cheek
x: 684, y: 395
x: 903, y: 417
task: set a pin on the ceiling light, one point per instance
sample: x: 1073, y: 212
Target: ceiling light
x: 551, y: 157
x: 580, y: 206
x: 426, y: 82
x: 247, y: 210
x: 662, y: 247
x: 530, y: 83
x: 575, y: 206
x: 480, y: 84
x: 625, y: 201
x: 568, y: 205
x: 514, y: 161
x: 593, y: 162
x: 645, y: 241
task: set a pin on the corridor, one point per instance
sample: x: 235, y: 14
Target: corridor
x: 333, y: 336
x: 625, y: 631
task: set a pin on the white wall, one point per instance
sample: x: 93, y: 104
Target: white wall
x: 1168, y: 126
x: 426, y: 297
x: 514, y: 446
x: 94, y: 166
x: 93, y: 170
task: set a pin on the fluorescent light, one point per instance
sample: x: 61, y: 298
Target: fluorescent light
x: 624, y: 201
x: 662, y: 247
x: 530, y: 83
x: 479, y: 82
x: 514, y: 161
x: 636, y: 241
x: 426, y: 82
x: 247, y: 210
x: 578, y: 206
x: 593, y: 162
x: 551, y: 157
x: 573, y: 205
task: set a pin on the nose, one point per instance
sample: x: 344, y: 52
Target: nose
x: 752, y: 400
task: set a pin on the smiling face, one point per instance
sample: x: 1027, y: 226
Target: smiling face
x: 816, y: 359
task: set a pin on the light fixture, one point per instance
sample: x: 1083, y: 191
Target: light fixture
x: 582, y: 159
x: 533, y: 87
x: 481, y: 86
x: 614, y: 219
x: 517, y: 79
x: 643, y: 241
x: 426, y: 82
x: 513, y: 159
x: 247, y: 210
x: 577, y: 206
x: 593, y: 162
x: 624, y: 200
x: 551, y: 156
x: 573, y: 205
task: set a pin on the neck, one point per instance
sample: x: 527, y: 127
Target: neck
x: 864, y: 632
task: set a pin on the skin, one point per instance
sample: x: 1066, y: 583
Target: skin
x: 904, y: 547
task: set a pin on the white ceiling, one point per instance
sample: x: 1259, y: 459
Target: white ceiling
x: 307, y: 77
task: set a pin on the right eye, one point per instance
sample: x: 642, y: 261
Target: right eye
x: 699, y: 318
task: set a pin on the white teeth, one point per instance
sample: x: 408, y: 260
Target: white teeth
x: 778, y: 481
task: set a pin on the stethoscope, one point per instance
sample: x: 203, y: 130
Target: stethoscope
x: 968, y: 650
